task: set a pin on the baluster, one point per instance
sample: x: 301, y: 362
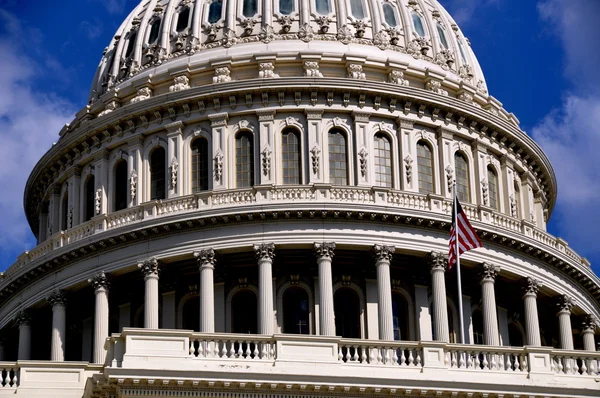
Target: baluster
x: 494, y: 365
x: 411, y: 359
x: 247, y: 351
x: 355, y: 355
x: 469, y: 360
x: 485, y: 361
x: 239, y: 352
x: 202, y: 348
x: 418, y: 358
x: 395, y: 356
x: 14, y: 380
x: 507, y: 364
x: 453, y: 359
x: 340, y: 355
x: 272, y: 350
x: 553, y: 364
x: 3, y: 377
x: 230, y: 348
x: 372, y: 355
x: 584, y: 368
x: 191, y: 350
x: 568, y: 366
x: 402, y: 357
x: 223, y: 353
x: 517, y: 363
x: 363, y: 355
x: 255, y: 352
x: 379, y: 356
x: 560, y: 366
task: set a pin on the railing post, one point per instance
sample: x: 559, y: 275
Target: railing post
x: 538, y: 361
x: 434, y: 355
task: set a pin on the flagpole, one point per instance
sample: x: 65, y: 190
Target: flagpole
x: 458, y: 278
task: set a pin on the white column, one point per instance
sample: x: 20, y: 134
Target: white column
x: 565, y: 305
x: 206, y: 262
x: 532, y: 322
x: 324, y: 252
x: 23, y: 320
x: 150, y: 270
x: 438, y: 264
x: 57, y: 301
x: 383, y: 257
x: 174, y: 157
x: 264, y: 254
x: 100, y: 284
x: 487, y: 273
x: 588, y: 328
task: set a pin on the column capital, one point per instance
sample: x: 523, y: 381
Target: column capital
x: 149, y: 267
x: 99, y: 281
x: 488, y: 272
x: 564, y: 304
x: 383, y: 253
x: 57, y: 297
x: 325, y: 249
x: 264, y: 251
x: 589, y: 323
x: 23, y: 318
x: 437, y: 261
x: 206, y: 258
x: 531, y: 286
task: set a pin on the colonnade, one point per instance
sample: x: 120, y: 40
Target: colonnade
x: 324, y: 252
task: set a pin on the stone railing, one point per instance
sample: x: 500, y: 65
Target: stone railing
x: 430, y: 205
x: 9, y: 376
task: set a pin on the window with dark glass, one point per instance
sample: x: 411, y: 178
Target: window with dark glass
x: 389, y: 14
x: 249, y: 8
x: 515, y: 337
x: 182, y: 19
x: 295, y: 311
x: 215, y: 11
x: 130, y: 44
x: 286, y: 7
x: 425, y: 167
x: 462, y: 177
x: 191, y: 314
x: 65, y: 212
x: 347, y: 313
x: 90, y: 192
x: 418, y: 24
x: 157, y: 174
x: 120, y: 183
x: 400, y: 317
x: 154, y: 31
x: 477, y: 318
x: 290, y: 156
x: 199, y: 165
x: 244, y: 312
x: 338, y: 160
x: 357, y: 8
x: 383, y: 161
x: 493, y: 188
x: 323, y: 7
x: 517, y: 200
x: 442, y: 35
x: 244, y: 160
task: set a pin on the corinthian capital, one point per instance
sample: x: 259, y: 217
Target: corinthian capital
x: 205, y: 258
x: 149, y: 267
x: 23, y: 318
x: 531, y: 286
x: 383, y: 253
x: 99, y: 281
x: 265, y: 251
x: 437, y: 261
x: 564, y: 303
x: 57, y: 297
x: 589, y: 323
x: 325, y: 249
x: 488, y: 272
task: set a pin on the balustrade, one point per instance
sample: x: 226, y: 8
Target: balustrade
x: 9, y: 375
x: 231, y: 346
x: 575, y: 363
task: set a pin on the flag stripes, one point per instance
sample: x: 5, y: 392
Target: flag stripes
x: 464, y: 232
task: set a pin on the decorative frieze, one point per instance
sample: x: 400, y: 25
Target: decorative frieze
x: 266, y: 70
x: 222, y: 75
x: 143, y: 94
x: 174, y: 172
x: 355, y: 71
x: 180, y: 83
x: 397, y: 77
x: 311, y: 69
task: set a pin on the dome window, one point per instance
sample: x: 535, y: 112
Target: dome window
x: 461, y: 167
x: 290, y: 154
x: 244, y: 160
x: 154, y: 31
x: 120, y: 186
x: 461, y: 50
x: 296, y: 311
x: 383, y: 161
x: 357, y: 8
x: 442, y: 35
x: 425, y: 167
x: 157, y: 174
x: 493, y: 188
x: 90, y: 190
x: 322, y: 7
x: 214, y: 11
x: 130, y: 44
x: 182, y: 19
x: 338, y: 159
x: 286, y: 7
x: 389, y: 14
x: 249, y: 8
x: 418, y: 24
x: 517, y: 203
x: 199, y: 165
x: 65, y: 212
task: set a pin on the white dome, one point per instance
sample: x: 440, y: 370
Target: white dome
x: 416, y: 34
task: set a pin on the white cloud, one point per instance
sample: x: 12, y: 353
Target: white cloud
x: 463, y: 10
x: 570, y: 135
x: 29, y: 123
x: 114, y: 6
x: 91, y: 29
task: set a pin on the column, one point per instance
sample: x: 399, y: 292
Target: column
x: 532, y: 321
x: 100, y: 284
x: 324, y: 252
x: 565, y: 305
x: 264, y: 254
x: 221, y: 173
x: 174, y: 157
x: 135, y: 168
x: 150, y: 270
x: 101, y: 181
x: 487, y: 273
x: 383, y: 257
x: 438, y: 264
x: 268, y: 156
x: 363, y: 146
x: 588, y: 329
x: 58, y: 301
x: 74, y: 197
x: 23, y: 320
x: 206, y: 262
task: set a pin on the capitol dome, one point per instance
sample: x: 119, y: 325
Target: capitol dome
x: 257, y: 200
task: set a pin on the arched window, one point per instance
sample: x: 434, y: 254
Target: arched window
x: 120, y: 183
x: 477, y: 319
x: 462, y: 177
x: 215, y: 11
x: 90, y: 192
x: 400, y: 317
x: 383, y: 161
x: 182, y: 19
x: 199, y: 149
x: 418, y: 24
x: 154, y: 31
x: 286, y: 7
x: 290, y: 156
x: 323, y: 7
x: 244, y: 312
x: 493, y: 187
x: 249, y: 8
x: 425, y: 167
x: 157, y: 174
x: 65, y: 212
x: 244, y: 160
x: 295, y: 311
x: 389, y: 14
x: 347, y: 313
x: 338, y: 159
x: 517, y: 199
x: 130, y: 44
x: 442, y: 35
x: 461, y: 50
x: 357, y: 8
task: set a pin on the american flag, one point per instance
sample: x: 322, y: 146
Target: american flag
x: 467, y: 237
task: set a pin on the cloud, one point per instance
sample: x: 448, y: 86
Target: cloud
x: 29, y: 123
x: 570, y: 135
x: 91, y: 29
x: 463, y: 10
x: 114, y: 6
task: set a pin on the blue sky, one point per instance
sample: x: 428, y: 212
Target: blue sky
x: 541, y: 60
